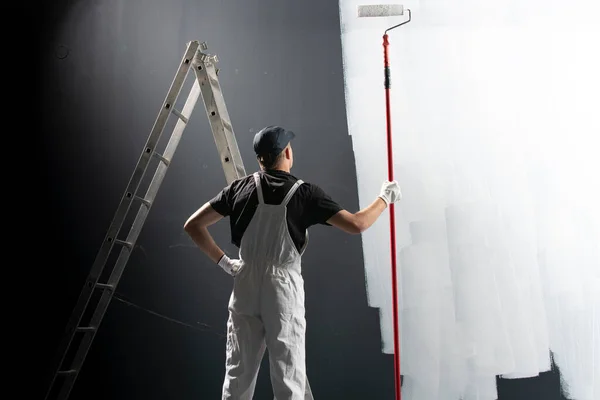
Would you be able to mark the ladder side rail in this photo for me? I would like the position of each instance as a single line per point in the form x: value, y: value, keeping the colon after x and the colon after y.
x: 218, y: 118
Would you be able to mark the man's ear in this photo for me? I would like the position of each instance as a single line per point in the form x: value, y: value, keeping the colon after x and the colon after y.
x: 287, y: 152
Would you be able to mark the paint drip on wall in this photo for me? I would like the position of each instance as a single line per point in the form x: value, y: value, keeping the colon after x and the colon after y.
x: 496, y: 136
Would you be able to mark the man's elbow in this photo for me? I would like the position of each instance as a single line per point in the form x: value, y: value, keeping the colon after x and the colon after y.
x: 187, y: 226
x: 356, y: 226
x: 348, y: 222
x: 191, y: 226
x: 359, y: 227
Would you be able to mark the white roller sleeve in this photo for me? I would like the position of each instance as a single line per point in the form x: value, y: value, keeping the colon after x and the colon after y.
x: 380, y: 10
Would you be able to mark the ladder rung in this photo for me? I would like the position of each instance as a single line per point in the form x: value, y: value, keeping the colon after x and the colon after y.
x: 145, y: 202
x: 161, y: 158
x: 68, y: 372
x: 179, y: 115
x: 104, y: 286
x: 85, y: 329
x: 124, y: 243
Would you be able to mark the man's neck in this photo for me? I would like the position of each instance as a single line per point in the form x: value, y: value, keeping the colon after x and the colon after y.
x: 278, y: 169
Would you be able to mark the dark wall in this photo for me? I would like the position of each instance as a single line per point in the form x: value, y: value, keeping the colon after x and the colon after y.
x: 107, y: 66
x: 103, y: 69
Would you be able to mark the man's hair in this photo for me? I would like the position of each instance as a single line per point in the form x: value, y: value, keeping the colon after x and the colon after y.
x: 270, y: 161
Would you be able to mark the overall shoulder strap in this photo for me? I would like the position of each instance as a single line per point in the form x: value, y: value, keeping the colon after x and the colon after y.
x: 258, y: 188
x: 291, y: 192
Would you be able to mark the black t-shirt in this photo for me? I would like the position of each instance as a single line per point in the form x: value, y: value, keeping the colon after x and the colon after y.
x: 310, y: 205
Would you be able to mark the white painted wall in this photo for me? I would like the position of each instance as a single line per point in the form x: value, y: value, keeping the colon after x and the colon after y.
x: 496, y: 117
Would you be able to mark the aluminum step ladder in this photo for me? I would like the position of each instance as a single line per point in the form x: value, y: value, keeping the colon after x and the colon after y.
x: 80, y: 332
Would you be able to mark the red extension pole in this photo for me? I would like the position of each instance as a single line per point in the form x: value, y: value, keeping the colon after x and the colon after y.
x: 388, y: 120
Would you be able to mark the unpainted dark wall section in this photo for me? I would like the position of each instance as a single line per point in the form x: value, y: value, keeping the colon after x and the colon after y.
x: 107, y: 67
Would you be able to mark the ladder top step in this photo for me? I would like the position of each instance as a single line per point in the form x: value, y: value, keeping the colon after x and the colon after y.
x: 67, y: 372
x: 104, y: 286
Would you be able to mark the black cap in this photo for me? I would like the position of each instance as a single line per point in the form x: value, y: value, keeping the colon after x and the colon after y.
x: 271, y: 140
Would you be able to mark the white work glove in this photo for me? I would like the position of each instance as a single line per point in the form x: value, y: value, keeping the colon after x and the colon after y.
x: 230, y: 266
x: 390, y: 192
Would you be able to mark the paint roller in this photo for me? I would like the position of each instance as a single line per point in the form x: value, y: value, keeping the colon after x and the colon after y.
x: 390, y: 10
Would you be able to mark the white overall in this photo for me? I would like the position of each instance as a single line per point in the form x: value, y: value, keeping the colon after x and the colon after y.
x: 266, y: 308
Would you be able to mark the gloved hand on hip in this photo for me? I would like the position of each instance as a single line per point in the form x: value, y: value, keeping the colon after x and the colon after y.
x: 231, y: 266
x: 390, y: 192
